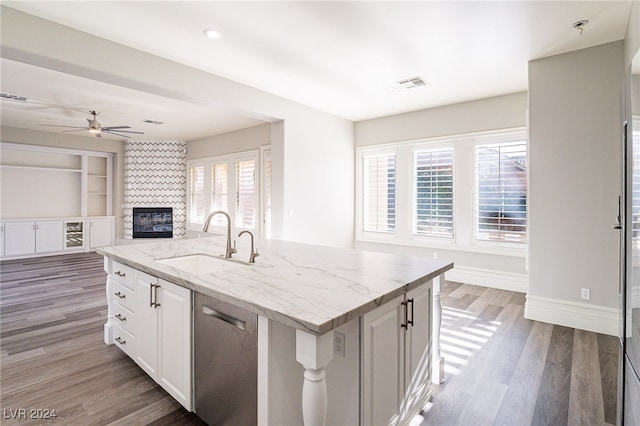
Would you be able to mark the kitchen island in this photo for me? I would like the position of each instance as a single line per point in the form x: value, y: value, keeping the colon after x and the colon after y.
x: 301, y: 295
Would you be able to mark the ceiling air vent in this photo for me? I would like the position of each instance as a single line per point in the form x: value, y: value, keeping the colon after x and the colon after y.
x: 11, y: 97
x: 153, y: 122
x: 413, y: 82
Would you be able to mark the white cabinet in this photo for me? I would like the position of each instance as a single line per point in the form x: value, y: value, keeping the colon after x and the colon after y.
x: 49, y: 236
x: 23, y: 238
x: 396, y: 358
x: 163, y: 334
x: 69, y: 185
x: 20, y: 238
x: 101, y: 232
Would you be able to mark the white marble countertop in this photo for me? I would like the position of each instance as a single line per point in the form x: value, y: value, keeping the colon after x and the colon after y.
x: 312, y: 288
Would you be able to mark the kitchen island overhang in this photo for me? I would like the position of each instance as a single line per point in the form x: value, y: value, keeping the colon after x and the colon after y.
x: 314, y: 289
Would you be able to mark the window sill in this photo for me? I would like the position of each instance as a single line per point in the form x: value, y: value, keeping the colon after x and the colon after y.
x: 453, y: 246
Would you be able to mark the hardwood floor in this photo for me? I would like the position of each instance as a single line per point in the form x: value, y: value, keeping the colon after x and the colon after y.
x: 52, y: 312
x: 501, y: 369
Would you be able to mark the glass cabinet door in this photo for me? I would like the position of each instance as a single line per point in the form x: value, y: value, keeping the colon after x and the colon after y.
x: 74, y: 234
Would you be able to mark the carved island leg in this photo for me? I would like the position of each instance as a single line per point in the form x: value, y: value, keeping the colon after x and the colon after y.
x: 108, y: 335
x: 314, y: 353
x: 437, y: 371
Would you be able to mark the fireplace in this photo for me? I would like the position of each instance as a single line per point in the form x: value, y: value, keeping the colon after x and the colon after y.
x: 152, y: 222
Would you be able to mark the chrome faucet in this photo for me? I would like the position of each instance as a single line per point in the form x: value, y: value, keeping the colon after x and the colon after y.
x: 230, y: 250
x: 254, y: 253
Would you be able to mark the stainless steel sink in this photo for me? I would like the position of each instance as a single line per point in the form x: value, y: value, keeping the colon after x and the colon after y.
x: 198, y: 264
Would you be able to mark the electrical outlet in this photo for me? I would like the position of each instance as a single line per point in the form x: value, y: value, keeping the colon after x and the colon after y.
x: 339, y: 343
x: 585, y: 293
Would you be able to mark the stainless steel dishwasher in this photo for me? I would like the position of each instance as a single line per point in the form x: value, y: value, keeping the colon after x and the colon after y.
x: 226, y: 363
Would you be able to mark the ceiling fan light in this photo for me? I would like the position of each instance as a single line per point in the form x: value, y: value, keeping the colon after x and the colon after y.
x: 94, y: 130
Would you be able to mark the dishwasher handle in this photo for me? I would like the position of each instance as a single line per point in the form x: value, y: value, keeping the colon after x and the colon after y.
x: 224, y: 317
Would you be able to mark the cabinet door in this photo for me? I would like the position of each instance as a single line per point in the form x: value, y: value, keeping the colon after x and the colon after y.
x: 383, y: 362
x: 417, y: 348
x: 174, y: 341
x: 146, y: 323
x: 100, y: 232
x: 49, y: 236
x: 20, y: 238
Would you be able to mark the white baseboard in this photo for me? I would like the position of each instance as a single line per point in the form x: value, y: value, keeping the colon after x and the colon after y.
x: 598, y: 319
x: 489, y: 278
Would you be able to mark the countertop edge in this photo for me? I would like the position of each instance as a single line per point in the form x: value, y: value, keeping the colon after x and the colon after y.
x: 317, y: 329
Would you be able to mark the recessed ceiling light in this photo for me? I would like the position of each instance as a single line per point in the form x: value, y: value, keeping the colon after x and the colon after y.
x: 212, y: 34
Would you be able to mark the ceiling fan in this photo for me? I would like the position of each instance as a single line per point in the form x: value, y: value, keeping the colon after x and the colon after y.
x: 97, y: 129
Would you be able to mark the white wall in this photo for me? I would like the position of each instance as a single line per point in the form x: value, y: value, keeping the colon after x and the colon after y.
x: 322, y: 211
x: 502, y: 112
x: 575, y: 122
x: 229, y: 143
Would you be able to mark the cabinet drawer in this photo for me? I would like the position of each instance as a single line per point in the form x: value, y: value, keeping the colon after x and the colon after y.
x: 122, y: 295
x: 124, y: 318
x: 123, y: 274
x: 124, y: 340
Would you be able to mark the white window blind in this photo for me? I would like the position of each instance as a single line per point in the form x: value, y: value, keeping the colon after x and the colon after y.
x: 246, y: 194
x: 501, y: 192
x: 433, y: 174
x: 196, y: 194
x: 230, y: 183
x: 379, y: 193
x: 635, y: 185
x: 267, y: 193
x: 219, y: 191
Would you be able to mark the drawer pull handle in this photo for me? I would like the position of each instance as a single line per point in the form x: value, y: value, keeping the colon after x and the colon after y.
x: 121, y: 340
x: 120, y: 295
x: 120, y: 317
x: 224, y: 317
x: 120, y: 274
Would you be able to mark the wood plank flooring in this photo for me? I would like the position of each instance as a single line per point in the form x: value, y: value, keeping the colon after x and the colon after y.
x: 53, y: 357
x: 500, y: 368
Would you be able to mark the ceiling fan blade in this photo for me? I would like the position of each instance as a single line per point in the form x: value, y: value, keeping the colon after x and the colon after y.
x: 116, y: 127
x: 75, y: 130
x: 113, y: 133
x: 98, y: 135
x: 55, y: 125
x: 126, y: 131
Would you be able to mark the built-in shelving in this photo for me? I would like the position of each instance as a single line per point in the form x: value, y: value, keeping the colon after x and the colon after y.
x: 40, y: 181
x: 48, y: 169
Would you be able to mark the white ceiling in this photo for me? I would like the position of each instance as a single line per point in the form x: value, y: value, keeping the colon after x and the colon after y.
x: 342, y: 57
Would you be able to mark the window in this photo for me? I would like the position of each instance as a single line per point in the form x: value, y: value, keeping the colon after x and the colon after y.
x: 196, y: 194
x: 225, y: 183
x: 466, y: 192
x: 635, y: 182
x: 433, y: 171
x: 379, y: 193
x: 501, y: 192
x: 246, y: 194
x: 266, y: 203
x: 219, y: 191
